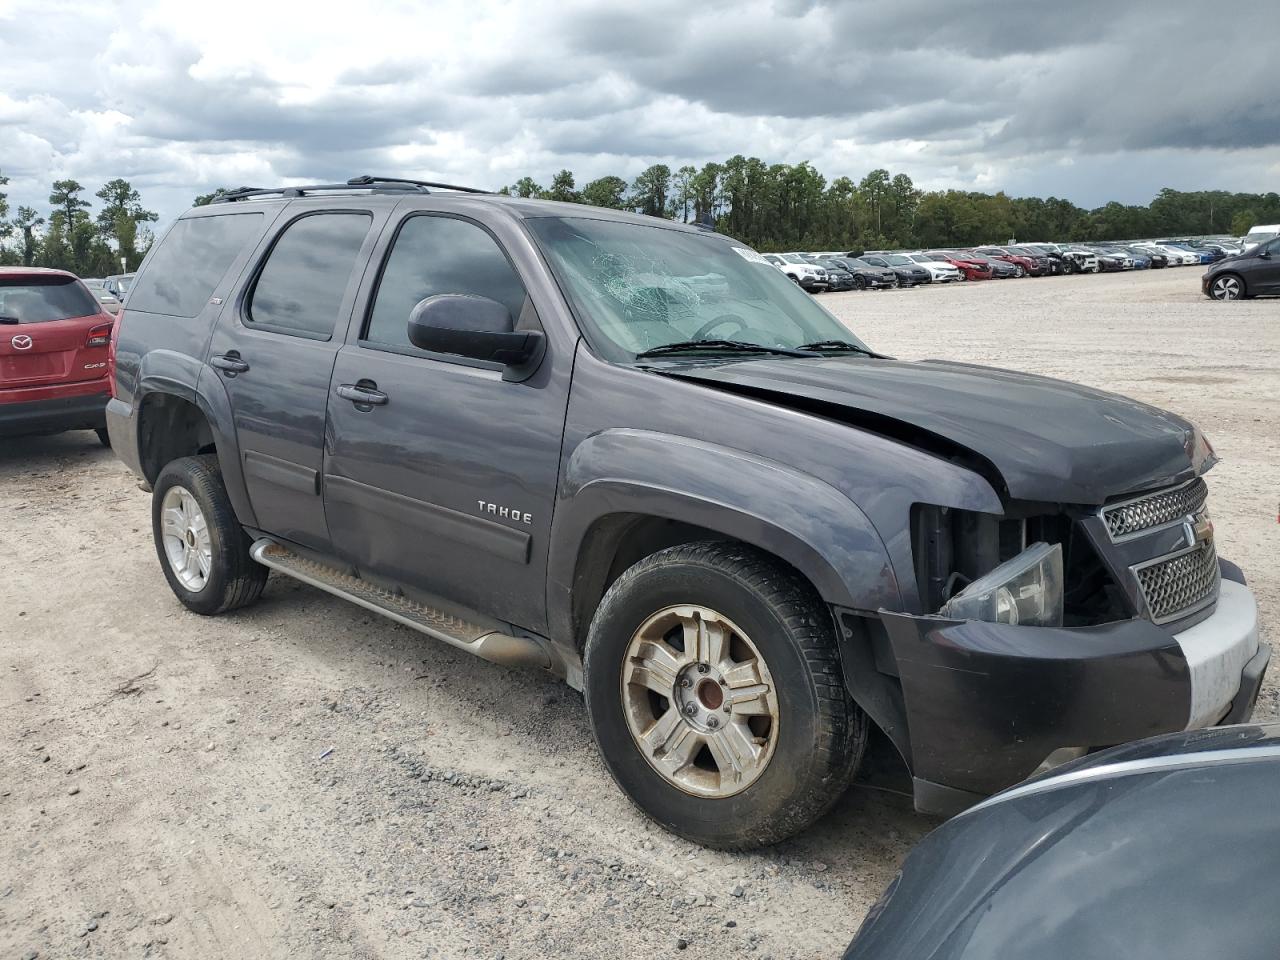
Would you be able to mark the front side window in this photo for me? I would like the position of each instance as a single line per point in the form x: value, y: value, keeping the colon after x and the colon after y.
x: 439, y: 255
x: 637, y: 287
x: 304, y: 281
x: 190, y: 262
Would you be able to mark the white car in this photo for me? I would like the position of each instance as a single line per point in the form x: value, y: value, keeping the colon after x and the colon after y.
x: 808, y: 276
x: 1177, y: 257
x: 941, y: 272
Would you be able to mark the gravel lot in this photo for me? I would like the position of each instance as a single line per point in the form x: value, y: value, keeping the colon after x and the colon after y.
x: 304, y: 780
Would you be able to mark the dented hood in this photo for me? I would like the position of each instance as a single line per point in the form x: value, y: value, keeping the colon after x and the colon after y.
x: 1045, y: 439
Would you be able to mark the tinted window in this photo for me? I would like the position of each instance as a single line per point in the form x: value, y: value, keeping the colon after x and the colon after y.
x: 191, y: 261
x: 304, y: 281
x: 435, y: 255
x: 38, y: 300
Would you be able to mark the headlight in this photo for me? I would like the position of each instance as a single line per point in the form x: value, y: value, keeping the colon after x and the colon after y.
x: 1026, y: 590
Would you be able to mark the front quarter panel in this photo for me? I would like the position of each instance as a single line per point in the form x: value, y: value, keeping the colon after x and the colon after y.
x: 800, y: 519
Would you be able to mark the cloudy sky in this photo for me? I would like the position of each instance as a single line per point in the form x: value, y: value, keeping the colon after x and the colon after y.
x: 1088, y: 100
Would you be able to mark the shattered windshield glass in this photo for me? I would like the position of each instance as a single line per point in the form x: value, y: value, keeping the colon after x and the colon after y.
x: 636, y: 287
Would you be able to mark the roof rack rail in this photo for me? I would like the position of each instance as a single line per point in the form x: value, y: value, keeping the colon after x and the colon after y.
x: 365, y: 182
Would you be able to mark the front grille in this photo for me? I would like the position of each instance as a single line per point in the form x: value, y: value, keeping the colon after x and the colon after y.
x: 1155, y: 510
x: 1181, y: 584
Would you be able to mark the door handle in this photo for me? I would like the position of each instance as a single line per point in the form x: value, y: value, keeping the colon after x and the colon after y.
x: 229, y: 362
x: 363, y: 393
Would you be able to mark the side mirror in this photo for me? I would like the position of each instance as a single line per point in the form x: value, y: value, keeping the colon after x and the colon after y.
x: 471, y: 326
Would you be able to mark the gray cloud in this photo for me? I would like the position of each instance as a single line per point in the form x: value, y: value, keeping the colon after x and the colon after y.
x: 1091, y: 99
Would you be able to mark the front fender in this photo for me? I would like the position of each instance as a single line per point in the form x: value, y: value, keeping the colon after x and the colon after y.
x: 796, y: 517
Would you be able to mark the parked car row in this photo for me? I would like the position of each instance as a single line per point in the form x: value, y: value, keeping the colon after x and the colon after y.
x: 835, y: 271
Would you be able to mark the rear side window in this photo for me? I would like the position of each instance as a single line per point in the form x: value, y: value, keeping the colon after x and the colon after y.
x: 304, y: 282
x: 190, y: 262
x: 435, y: 255
x: 41, y: 299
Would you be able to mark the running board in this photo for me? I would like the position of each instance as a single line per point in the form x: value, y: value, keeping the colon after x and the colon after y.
x: 488, y: 644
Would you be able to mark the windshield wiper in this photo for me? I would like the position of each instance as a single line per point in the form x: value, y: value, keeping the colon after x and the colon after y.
x: 716, y: 346
x: 821, y: 346
x: 9, y: 320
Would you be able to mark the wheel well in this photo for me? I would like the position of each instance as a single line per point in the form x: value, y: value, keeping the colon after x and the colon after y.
x: 170, y: 427
x: 617, y: 542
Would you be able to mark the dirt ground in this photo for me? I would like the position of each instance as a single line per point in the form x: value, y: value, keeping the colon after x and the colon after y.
x: 303, y: 779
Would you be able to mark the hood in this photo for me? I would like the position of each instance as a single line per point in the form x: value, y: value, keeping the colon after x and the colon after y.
x: 1139, y: 860
x: 1041, y: 439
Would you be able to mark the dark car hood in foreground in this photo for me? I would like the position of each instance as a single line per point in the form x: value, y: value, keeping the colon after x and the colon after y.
x: 1047, y: 440
x: 1167, y: 848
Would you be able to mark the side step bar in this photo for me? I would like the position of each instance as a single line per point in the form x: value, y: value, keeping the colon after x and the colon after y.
x: 486, y: 643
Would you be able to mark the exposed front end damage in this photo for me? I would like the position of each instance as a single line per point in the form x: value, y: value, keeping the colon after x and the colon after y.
x: 1148, y: 633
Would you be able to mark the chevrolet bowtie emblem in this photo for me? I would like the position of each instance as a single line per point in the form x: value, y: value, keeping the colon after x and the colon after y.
x: 1199, y: 530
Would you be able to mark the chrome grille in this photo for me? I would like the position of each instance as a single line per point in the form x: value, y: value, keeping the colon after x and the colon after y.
x: 1155, y: 510
x: 1180, y: 584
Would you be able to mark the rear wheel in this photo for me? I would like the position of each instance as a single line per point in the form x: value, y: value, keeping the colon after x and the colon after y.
x: 859, y: 282
x: 203, y: 550
x: 1228, y: 286
x: 1020, y: 272
x: 716, y: 697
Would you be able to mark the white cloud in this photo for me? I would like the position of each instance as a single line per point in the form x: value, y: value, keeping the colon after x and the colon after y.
x: 1091, y: 101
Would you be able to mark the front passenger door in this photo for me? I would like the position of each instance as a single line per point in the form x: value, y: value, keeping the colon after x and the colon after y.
x: 440, y: 474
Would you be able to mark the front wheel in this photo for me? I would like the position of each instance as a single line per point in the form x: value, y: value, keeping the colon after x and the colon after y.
x: 1020, y: 272
x: 203, y: 550
x: 1227, y: 287
x: 715, y: 694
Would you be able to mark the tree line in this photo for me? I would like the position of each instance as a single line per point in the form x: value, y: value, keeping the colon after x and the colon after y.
x: 70, y: 236
x: 783, y: 206
x: 775, y: 206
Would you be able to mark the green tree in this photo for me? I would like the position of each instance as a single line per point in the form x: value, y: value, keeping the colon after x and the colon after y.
x: 204, y: 199
x: 27, y: 222
x: 649, y: 190
x: 1243, y: 221
x: 119, y: 217
x: 66, y: 199
x: 562, y: 188
x: 5, y: 226
x: 684, y: 190
x: 526, y: 187
x: 605, y: 192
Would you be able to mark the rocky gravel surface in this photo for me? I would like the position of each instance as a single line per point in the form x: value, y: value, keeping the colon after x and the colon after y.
x: 303, y: 779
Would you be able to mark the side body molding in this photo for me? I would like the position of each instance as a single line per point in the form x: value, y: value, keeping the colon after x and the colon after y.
x: 801, y: 519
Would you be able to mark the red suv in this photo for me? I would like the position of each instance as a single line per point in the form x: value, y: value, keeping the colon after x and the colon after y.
x: 54, y: 339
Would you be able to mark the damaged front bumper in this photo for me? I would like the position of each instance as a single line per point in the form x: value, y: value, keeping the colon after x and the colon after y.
x: 986, y: 704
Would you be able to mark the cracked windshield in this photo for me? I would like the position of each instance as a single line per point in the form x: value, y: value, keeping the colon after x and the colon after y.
x: 639, y: 289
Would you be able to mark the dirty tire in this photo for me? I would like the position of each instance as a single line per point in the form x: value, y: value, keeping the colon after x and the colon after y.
x: 821, y: 733
x: 235, y: 579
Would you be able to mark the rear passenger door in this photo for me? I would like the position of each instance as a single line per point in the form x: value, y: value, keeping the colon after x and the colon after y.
x: 274, y: 349
x: 446, y: 480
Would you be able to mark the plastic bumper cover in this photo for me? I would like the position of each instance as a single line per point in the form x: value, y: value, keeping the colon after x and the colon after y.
x: 986, y: 703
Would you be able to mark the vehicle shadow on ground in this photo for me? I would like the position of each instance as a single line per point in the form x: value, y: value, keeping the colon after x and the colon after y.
x: 52, y: 452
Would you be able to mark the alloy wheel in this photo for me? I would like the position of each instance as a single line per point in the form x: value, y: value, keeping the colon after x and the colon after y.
x: 699, y: 701
x: 1226, y: 288
x: 185, y: 535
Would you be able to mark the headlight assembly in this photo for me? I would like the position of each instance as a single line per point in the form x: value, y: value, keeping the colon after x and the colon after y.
x: 1026, y: 590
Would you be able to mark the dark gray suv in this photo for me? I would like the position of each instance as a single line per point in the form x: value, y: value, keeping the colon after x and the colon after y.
x: 635, y: 454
